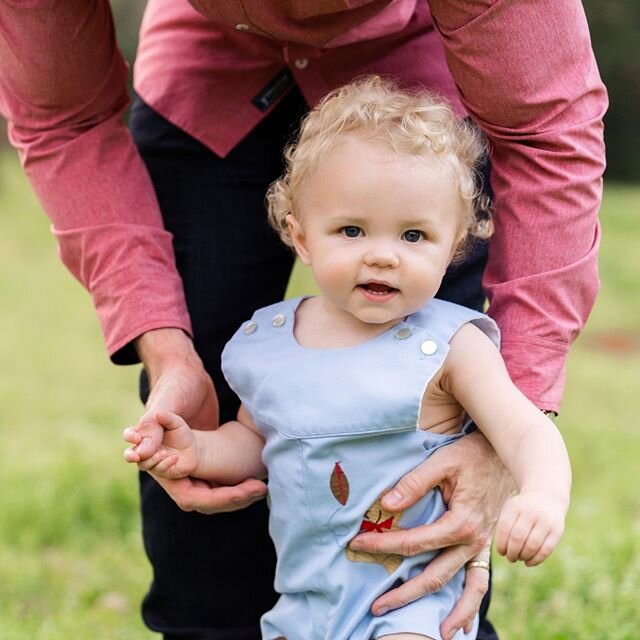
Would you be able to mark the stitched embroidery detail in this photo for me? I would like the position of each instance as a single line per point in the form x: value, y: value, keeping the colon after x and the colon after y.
x: 377, y: 520
x: 339, y: 484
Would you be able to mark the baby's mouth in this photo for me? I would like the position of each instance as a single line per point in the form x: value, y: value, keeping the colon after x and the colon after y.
x: 377, y: 288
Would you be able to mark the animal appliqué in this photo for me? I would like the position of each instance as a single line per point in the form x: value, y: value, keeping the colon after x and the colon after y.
x: 376, y: 520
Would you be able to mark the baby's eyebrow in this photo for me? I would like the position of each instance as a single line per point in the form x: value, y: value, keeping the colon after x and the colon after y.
x: 362, y: 219
x: 350, y: 218
x: 422, y: 222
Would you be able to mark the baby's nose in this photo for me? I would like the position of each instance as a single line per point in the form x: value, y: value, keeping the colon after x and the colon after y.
x: 381, y: 255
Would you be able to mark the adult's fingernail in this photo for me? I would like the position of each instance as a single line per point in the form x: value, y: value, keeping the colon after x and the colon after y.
x: 382, y: 611
x: 354, y: 545
x: 393, y: 498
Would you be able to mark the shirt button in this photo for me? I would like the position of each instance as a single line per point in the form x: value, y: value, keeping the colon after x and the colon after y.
x: 403, y: 334
x: 278, y: 320
x: 428, y: 347
x: 250, y: 327
x: 241, y: 26
x: 301, y: 63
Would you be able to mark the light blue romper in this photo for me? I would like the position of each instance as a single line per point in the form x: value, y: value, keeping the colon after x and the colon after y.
x: 340, y: 430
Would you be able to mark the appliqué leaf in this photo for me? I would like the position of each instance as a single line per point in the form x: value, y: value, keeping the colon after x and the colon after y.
x: 339, y: 484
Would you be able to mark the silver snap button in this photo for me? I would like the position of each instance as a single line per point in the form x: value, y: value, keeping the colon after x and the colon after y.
x: 250, y: 327
x: 428, y: 347
x: 241, y: 26
x: 404, y: 333
x: 278, y: 320
x: 301, y: 63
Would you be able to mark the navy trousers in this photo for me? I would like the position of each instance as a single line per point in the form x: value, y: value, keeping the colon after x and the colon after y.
x: 213, y: 575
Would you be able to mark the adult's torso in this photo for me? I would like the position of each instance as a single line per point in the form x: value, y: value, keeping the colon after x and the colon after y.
x: 216, y: 68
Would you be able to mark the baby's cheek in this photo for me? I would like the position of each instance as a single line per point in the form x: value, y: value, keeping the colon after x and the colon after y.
x: 334, y: 277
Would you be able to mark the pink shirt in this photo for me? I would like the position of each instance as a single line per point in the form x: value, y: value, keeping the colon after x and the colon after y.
x: 525, y: 72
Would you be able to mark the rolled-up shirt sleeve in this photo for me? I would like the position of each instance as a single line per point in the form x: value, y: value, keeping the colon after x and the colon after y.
x: 63, y: 92
x: 526, y: 73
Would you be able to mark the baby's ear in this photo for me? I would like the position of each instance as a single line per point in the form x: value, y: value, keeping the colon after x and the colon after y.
x: 298, y: 238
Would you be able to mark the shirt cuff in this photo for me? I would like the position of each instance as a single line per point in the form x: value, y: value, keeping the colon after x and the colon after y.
x: 130, y: 272
x: 537, y: 367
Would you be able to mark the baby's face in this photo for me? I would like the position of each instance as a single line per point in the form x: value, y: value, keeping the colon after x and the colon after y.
x: 377, y: 228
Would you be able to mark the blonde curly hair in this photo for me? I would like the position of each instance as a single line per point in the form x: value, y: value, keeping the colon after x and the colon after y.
x: 416, y: 124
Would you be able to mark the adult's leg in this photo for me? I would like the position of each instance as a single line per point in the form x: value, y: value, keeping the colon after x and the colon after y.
x: 213, y: 575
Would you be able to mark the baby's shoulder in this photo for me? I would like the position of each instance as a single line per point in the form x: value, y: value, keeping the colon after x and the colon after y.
x: 472, y: 352
x: 446, y: 319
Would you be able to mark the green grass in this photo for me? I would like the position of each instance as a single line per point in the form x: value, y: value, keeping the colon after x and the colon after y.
x: 71, y: 563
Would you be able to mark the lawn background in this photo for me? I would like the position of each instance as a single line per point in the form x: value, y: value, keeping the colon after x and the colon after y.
x: 71, y: 562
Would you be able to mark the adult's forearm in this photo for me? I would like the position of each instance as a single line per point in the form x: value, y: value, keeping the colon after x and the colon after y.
x: 527, y: 75
x: 62, y: 89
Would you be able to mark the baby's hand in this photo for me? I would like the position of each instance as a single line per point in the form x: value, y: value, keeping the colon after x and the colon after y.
x: 175, y: 457
x: 530, y: 526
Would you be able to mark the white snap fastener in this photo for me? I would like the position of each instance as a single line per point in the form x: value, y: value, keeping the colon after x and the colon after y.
x: 250, y: 327
x: 241, y: 26
x: 404, y: 333
x: 341, y: 530
x: 301, y: 63
x: 278, y: 320
x: 428, y: 347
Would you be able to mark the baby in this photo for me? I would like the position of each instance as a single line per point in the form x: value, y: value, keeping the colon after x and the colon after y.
x: 345, y: 392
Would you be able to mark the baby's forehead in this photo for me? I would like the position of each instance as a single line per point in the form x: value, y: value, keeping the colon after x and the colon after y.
x: 367, y: 174
x: 356, y: 151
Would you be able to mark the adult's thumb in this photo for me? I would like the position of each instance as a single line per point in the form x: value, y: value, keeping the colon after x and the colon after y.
x: 412, y: 486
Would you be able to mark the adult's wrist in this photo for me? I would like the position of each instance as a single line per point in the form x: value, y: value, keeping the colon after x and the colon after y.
x: 166, y: 347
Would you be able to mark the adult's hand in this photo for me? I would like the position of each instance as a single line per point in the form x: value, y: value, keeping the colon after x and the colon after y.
x: 474, y: 485
x: 180, y: 384
x: 191, y: 494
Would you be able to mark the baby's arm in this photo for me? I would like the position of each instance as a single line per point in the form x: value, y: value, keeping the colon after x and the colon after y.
x: 228, y: 455
x: 528, y: 443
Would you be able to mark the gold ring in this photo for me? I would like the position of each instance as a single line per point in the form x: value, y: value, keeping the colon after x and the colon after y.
x: 478, y: 564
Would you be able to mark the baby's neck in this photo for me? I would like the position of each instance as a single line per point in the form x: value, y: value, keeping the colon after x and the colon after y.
x: 320, y: 325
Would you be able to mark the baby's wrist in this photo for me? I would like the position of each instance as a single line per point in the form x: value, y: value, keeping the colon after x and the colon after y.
x: 199, y: 448
x: 544, y: 496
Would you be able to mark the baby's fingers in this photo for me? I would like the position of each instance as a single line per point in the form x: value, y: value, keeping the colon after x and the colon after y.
x: 163, y: 467
x: 131, y: 455
x: 143, y: 446
x: 505, y: 524
x: 512, y: 531
x: 153, y: 463
x: 132, y: 435
x: 532, y: 545
x: 544, y: 550
x: 517, y: 539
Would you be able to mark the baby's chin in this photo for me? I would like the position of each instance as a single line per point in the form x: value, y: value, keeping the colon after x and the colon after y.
x: 379, y: 317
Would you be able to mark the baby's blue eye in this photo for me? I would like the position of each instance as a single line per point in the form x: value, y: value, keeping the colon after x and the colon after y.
x: 351, y: 232
x: 413, y: 235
